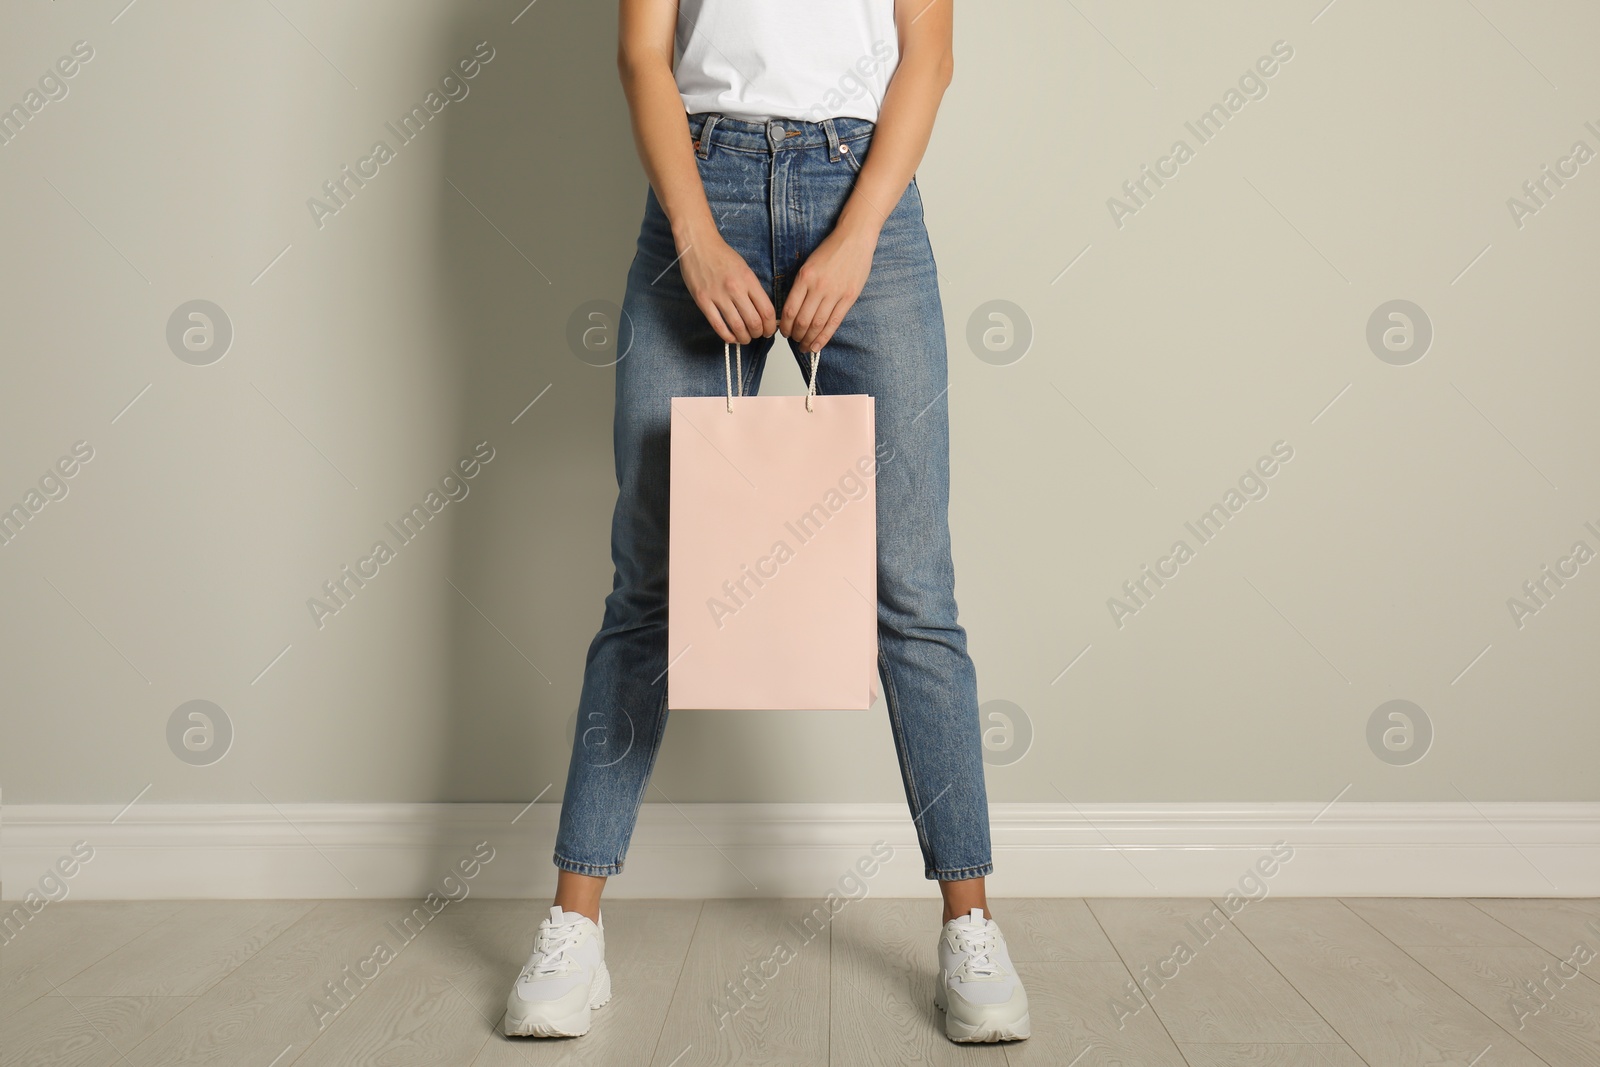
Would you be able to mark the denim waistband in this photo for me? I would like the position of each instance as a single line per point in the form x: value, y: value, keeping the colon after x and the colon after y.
x: 777, y: 134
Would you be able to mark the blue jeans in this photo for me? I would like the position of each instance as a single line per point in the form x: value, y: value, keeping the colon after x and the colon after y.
x: 776, y: 190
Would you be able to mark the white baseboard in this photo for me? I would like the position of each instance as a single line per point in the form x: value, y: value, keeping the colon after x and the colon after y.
x: 307, y: 851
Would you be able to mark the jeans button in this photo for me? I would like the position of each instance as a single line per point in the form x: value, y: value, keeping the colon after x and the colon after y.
x: 776, y: 129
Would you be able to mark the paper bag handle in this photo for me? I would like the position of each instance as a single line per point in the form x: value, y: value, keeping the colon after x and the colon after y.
x: 728, y: 371
x: 730, y: 374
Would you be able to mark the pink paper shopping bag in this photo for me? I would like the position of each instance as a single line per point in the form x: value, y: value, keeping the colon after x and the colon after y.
x: 772, y: 577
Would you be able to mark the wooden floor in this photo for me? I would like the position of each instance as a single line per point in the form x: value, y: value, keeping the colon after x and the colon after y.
x: 1285, y: 983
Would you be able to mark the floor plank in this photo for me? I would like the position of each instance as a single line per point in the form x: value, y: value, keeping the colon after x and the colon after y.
x: 754, y: 987
x: 195, y: 948
x: 885, y: 963
x: 57, y: 1031
x: 418, y: 1010
x: 1270, y: 1055
x: 1073, y: 1008
x: 1433, y: 921
x: 1202, y: 977
x: 1555, y: 925
x: 1051, y: 930
x: 275, y: 1004
x: 1559, y: 1020
x: 63, y: 939
x: 1385, y: 1005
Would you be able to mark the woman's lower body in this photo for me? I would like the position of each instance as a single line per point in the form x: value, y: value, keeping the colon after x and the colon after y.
x: 776, y: 190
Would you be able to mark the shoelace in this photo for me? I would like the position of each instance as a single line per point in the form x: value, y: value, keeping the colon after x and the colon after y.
x: 551, y: 946
x: 977, y: 942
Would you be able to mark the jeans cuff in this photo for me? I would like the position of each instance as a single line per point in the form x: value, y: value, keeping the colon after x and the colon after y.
x: 959, y: 873
x: 604, y: 870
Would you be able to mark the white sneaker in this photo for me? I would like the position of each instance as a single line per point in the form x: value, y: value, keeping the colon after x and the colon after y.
x: 563, y: 979
x: 979, y: 991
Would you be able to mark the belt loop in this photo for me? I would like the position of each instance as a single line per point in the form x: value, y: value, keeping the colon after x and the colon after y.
x: 833, y: 139
x: 703, y: 147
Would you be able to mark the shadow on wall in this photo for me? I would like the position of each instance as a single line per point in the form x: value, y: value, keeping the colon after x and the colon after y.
x: 538, y: 192
x: 538, y: 204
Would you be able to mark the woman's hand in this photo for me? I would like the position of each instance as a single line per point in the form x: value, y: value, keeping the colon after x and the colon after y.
x: 826, y: 286
x: 726, y: 290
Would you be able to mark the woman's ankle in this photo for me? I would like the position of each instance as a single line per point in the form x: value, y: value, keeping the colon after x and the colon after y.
x: 579, y: 893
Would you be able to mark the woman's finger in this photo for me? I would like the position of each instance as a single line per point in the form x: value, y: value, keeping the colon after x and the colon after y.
x: 805, y: 317
x: 763, y: 306
x: 820, y: 328
x: 734, y: 319
x: 835, y: 317
x: 747, y: 310
x: 714, y: 317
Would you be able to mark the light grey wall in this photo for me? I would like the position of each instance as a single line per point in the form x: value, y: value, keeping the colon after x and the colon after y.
x: 1169, y: 352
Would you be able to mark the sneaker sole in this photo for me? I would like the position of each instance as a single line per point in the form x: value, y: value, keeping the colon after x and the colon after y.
x: 957, y: 1030
x: 575, y: 1025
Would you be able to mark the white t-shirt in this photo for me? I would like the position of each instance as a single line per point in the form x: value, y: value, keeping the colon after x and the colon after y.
x: 798, y: 59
